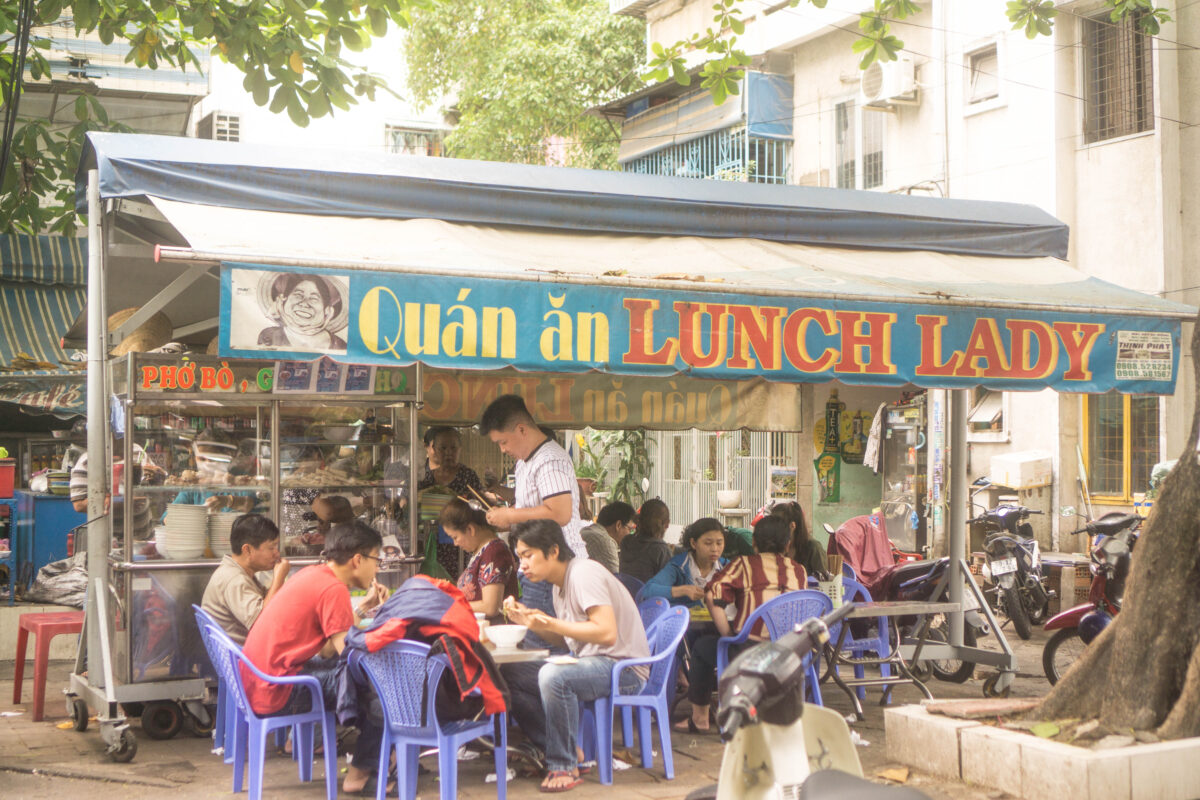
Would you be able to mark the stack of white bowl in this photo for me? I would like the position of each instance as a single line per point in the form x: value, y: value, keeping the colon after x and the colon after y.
x: 184, y: 533
x: 219, y: 526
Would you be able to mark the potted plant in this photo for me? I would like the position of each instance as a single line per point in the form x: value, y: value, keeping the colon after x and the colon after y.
x: 588, y: 470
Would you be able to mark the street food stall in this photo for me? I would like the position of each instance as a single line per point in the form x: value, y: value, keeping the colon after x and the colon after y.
x: 577, y: 276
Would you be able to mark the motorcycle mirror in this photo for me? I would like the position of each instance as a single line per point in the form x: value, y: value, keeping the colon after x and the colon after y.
x: 981, y: 481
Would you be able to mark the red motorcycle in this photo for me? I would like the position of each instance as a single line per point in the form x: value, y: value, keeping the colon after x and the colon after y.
x: 1111, y: 554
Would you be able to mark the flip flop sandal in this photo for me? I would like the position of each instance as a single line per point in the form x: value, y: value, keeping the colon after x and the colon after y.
x: 692, y: 728
x: 555, y: 774
x: 586, y: 766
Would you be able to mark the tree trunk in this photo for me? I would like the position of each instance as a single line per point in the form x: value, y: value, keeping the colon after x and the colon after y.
x: 1143, y: 671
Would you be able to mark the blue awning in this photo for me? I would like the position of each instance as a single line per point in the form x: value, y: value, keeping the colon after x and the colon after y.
x: 333, y: 182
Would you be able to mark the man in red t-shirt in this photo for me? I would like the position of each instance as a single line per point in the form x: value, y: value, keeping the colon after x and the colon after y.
x: 303, y: 630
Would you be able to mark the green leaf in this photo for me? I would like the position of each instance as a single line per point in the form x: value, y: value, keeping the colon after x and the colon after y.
x: 81, y: 108
x: 283, y: 93
x: 260, y: 89
x: 1045, y: 730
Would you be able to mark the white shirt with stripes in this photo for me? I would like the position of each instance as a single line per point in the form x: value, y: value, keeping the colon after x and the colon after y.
x: 548, y: 472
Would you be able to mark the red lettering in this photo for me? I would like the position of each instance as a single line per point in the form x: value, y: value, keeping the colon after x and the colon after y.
x: 931, y: 363
x: 691, y: 333
x: 865, y: 331
x: 983, y: 346
x: 795, y: 331
x: 1078, y: 339
x: 757, y: 328
x: 1023, y: 333
x: 641, y: 335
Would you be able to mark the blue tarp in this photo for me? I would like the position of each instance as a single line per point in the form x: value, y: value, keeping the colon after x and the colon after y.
x: 362, y: 184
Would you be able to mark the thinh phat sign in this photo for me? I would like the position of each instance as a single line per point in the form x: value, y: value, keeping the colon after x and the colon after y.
x: 481, y: 323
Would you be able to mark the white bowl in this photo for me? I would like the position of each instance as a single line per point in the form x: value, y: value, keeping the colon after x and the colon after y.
x: 506, y: 636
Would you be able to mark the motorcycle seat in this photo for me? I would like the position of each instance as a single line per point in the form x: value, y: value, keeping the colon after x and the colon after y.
x: 1111, y: 523
x: 830, y: 783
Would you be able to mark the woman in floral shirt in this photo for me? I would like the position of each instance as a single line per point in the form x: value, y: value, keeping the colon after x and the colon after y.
x: 491, y: 574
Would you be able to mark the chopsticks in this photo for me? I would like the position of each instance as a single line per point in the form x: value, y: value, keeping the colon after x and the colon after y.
x: 486, y: 504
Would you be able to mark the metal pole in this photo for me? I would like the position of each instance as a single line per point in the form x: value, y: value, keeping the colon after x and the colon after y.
x: 956, y: 432
x: 99, y: 535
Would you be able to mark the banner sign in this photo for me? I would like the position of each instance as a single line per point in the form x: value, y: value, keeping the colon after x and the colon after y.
x: 615, y: 401
x: 387, y: 318
x: 58, y: 394
x: 255, y: 379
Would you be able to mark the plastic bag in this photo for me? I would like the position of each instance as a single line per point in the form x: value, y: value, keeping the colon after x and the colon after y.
x: 430, y: 565
x: 61, y: 583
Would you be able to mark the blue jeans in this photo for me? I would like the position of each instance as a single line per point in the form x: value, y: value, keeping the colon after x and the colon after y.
x: 563, y: 687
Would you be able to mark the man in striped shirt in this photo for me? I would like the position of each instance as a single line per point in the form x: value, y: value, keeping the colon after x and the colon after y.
x: 546, y: 487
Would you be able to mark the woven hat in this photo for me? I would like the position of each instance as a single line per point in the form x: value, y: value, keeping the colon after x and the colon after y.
x: 154, y: 332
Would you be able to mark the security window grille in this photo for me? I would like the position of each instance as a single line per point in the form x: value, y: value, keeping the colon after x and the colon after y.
x: 413, y: 141
x: 722, y: 155
x: 1122, y: 443
x: 858, y: 140
x: 1118, y: 79
x: 983, y: 72
x: 220, y: 126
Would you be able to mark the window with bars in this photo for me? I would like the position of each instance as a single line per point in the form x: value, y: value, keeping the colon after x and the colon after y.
x: 412, y: 141
x: 858, y: 146
x: 721, y: 155
x: 1118, y: 79
x: 1122, y: 443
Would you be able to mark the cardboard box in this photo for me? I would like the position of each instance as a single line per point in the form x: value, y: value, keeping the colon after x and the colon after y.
x: 1023, y: 470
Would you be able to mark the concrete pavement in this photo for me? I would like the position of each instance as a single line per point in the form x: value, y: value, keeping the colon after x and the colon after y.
x: 38, y: 759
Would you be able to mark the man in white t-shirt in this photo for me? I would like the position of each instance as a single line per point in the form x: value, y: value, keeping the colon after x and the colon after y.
x: 546, y: 487
x: 596, y: 618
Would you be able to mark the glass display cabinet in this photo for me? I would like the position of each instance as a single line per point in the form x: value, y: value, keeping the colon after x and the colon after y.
x: 208, y: 439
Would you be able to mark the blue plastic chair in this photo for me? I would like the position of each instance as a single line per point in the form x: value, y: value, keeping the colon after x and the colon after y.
x: 651, y: 609
x: 225, y: 714
x: 629, y: 582
x: 405, y: 677
x: 250, y: 731
x: 855, y: 592
x: 780, y: 615
x: 667, y: 633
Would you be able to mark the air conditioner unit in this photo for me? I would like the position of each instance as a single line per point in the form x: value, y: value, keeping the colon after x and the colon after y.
x: 889, y: 83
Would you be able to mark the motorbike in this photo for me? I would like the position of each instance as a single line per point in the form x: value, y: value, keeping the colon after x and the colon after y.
x: 1111, y: 553
x: 1014, y: 565
x: 914, y: 578
x: 926, y: 580
x: 776, y: 745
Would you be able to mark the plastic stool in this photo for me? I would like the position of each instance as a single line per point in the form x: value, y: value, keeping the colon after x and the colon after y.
x: 44, y: 627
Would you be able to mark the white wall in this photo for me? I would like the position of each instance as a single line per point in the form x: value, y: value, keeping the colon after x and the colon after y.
x: 362, y: 127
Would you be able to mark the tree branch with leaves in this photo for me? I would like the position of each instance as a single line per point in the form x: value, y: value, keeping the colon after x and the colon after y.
x: 726, y: 62
x: 296, y: 55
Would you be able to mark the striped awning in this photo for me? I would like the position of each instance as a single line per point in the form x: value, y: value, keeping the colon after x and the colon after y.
x: 42, y: 292
x: 44, y: 259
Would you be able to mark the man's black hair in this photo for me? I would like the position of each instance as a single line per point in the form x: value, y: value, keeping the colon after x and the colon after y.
x: 504, y: 413
x: 542, y: 534
x: 347, y: 539
x: 614, y: 512
x: 252, y: 529
x: 772, y: 535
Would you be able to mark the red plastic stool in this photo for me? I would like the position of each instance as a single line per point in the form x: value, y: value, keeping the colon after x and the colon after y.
x: 44, y: 627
